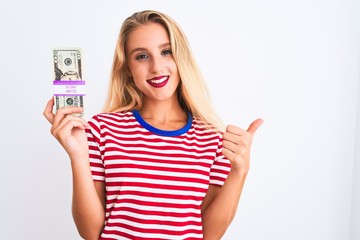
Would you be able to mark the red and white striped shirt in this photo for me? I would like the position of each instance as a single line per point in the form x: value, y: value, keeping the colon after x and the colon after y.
x: 155, y: 180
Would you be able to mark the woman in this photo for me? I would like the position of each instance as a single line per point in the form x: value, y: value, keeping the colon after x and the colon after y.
x: 155, y: 164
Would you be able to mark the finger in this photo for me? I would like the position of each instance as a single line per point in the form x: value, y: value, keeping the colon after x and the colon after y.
x: 63, y: 112
x: 235, y: 130
x: 65, y: 130
x: 49, y: 115
x: 255, y: 125
x: 67, y: 124
x: 72, y: 119
x: 235, y: 138
x: 228, y: 154
x: 231, y: 146
x: 70, y: 124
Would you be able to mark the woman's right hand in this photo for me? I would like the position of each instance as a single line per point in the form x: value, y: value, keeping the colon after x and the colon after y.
x: 69, y: 130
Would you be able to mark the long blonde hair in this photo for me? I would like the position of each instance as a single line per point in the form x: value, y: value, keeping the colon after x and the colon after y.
x: 192, y: 91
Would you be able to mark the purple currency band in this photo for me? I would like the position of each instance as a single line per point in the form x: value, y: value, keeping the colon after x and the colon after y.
x: 64, y: 94
x: 69, y: 88
x: 58, y: 82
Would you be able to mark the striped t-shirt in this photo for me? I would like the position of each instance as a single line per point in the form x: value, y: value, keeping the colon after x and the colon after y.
x: 155, y: 180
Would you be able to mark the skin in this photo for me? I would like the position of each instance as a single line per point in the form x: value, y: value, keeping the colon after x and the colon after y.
x: 149, y: 55
x: 88, y: 203
x: 220, y: 203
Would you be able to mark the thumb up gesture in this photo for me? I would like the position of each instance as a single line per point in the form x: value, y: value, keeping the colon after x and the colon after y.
x: 237, y: 144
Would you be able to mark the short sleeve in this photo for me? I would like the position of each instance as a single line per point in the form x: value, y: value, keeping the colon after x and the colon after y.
x: 95, y: 153
x: 220, y: 168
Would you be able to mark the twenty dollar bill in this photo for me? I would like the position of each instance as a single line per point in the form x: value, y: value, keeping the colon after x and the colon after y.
x: 69, y: 87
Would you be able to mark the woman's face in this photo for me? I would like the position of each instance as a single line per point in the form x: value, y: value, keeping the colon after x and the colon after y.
x: 151, y: 62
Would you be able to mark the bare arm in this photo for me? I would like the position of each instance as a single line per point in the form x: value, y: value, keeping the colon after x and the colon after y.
x: 88, y: 203
x: 220, y: 203
x: 88, y: 196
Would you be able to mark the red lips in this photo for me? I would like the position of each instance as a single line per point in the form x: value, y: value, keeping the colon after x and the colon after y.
x: 158, y: 82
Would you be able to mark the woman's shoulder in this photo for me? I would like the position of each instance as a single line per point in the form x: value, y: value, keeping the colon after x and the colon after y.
x: 203, y: 127
x: 113, y: 116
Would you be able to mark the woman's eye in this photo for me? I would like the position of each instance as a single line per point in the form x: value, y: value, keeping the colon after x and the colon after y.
x: 166, y: 52
x: 141, y: 57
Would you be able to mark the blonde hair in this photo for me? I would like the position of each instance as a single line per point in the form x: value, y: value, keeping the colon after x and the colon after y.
x: 192, y: 91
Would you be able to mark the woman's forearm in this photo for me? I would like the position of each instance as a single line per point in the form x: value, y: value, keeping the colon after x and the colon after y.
x: 87, y: 208
x: 220, y: 213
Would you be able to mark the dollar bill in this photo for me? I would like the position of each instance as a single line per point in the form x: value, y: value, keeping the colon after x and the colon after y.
x: 68, y: 82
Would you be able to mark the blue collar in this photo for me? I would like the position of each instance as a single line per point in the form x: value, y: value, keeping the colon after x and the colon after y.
x: 168, y: 133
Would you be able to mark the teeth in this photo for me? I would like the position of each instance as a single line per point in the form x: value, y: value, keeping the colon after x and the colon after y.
x: 159, y: 80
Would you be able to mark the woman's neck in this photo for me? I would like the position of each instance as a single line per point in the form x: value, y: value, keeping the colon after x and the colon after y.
x: 166, y: 115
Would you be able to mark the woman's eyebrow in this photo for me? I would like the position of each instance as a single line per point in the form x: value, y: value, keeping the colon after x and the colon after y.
x: 164, y: 45
x: 141, y: 49
x: 138, y: 50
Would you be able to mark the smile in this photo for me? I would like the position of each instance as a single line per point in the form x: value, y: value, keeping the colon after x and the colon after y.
x: 158, y: 82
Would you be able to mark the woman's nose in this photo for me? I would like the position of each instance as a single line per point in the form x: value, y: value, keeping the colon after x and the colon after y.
x: 156, y: 65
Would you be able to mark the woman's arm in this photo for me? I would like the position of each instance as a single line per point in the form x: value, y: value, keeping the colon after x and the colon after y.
x: 221, y: 206
x: 88, y: 202
x: 220, y: 203
x: 88, y: 196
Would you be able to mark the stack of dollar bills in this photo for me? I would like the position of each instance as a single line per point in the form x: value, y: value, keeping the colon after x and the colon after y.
x: 69, y: 87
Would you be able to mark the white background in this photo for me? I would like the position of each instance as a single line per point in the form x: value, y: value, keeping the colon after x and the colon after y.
x: 296, y: 64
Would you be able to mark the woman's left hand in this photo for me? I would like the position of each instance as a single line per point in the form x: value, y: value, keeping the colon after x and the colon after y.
x: 237, y: 144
